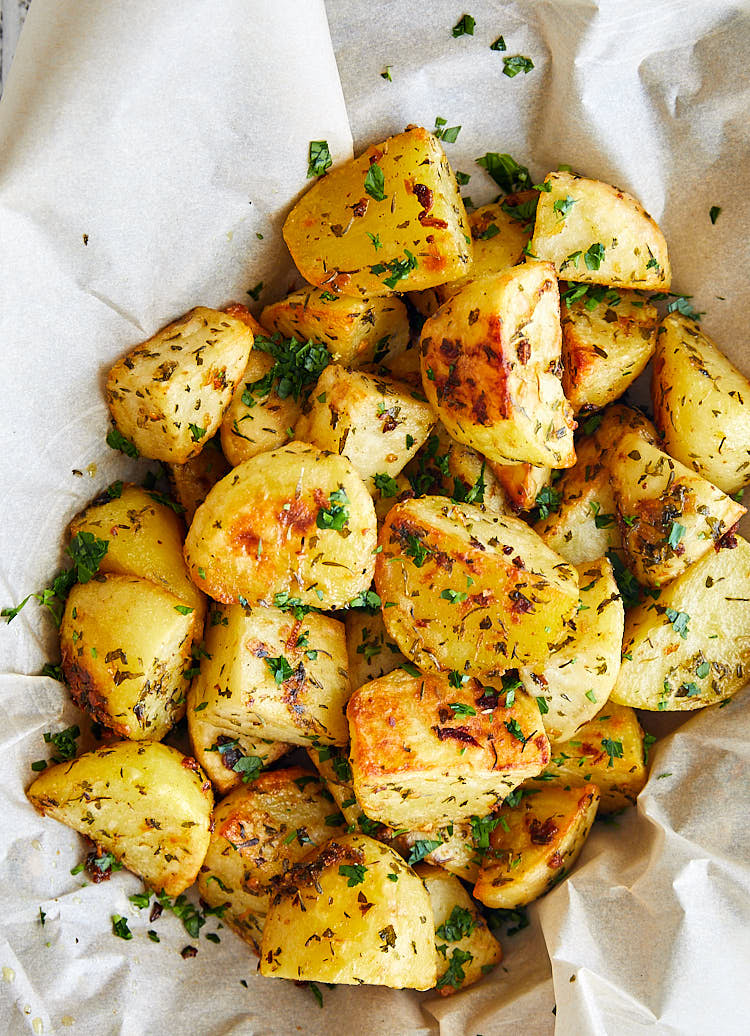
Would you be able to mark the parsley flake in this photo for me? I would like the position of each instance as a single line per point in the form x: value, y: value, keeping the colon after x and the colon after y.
x: 319, y: 158
x: 375, y: 182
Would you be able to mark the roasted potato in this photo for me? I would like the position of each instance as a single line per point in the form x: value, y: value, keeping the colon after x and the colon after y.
x: 258, y: 419
x: 596, y: 233
x: 348, y: 233
x: 425, y: 752
x: 387, y: 491
x: 125, y: 645
x: 490, y: 368
x: 535, y: 844
x: 452, y: 848
x: 192, y: 481
x: 465, y: 590
x: 167, y: 396
x: 701, y: 404
x: 370, y: 650
x: 147, y: 804
x: 446, y: 467
x: 521, y: 483
x: 404, y: 367
x: 332, y: 763
x: 340, y: 917
x: 294, y: 521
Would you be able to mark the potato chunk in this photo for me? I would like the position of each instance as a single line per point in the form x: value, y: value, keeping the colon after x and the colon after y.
x: 261, y: 830
x: 338, y: 917
x: 465, y: 947
x: 147, y: 804
x: 355, y: 330
x: 192, y: 481
x: 490, y: 362
x: 167, y: 395
x: 269, y: 676
x: 257, y: 421
x: 690, y: 648
x: 425, y: 753
x: 669, y: 517
x: 376, y: 423
x: 332, y: 763
x: 537, y: 845
x: 452, y: 848
x: 401, y: 193
x: 295, y: 521
x: 521, y: 483
x: 596, y: 233
x: 470, y: 591
x: 125, y: 645
x: 701, y: 404
x: 446, y: 467
x: 370, y: 650
x: 581, y: 671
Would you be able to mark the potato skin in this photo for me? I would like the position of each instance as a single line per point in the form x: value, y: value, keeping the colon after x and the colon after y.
x: 147, y: 804
x: 470, y: 591
x: 327, y: 230
x: 167, y: 395
x: 256, y: 534
x: 490, y: 368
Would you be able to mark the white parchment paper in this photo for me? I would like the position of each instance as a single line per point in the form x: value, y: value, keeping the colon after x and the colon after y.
x: 172, y: 135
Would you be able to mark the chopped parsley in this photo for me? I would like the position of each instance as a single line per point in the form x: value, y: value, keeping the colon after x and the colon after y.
x: 601, y: 521
x: 482, y: 828
x: 376, y: 244
x: 505, y: 171
x: 675, y: 534
x: 312, y: 986
x: 120, y: 927
x: 422, y: 848
x: 355, y: 872
x: 594, y: 256
x: 648, y: 741
x: 455, y: 974
x: 249, y: 766
x: 714, y: 213
x: 399, y: 269
x: 514, y: 729
x: 375, y: 182
x: 563, y: 206
x: 197, y: 432
x: 117, y: 441
x: 515, y: 64
x: 444, y: 132
x: 386, y: 73
x: 336, y: 515
x: 64, y: 743
x: 367, y: 599
x: 464, y: 26
x: 416, y: 550
x: 681, y: 304
x: 319, y: 158
x: 285, y: 603
x: 613, y: 749
x: 679, y: 621
x: 548, y: 500
x: 499, y: 44
x: 280, y: 668
x: 462, y: 178
x: 454, y: 596
x: 460, y: 708
x: 297, y: 366
x: 459, y: 925
x: 386, y: 484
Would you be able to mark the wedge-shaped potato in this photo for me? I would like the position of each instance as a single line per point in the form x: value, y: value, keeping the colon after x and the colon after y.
x: 452, y: 848
x: 144, y: 538
x: 387, y: 491
x: 446, y: 467
x: 167, y: 396
x: 596, y: 233
x: 125, y: 645
x: 581, y: 671
x: 466, y: 949
x: 535, y: 844
x: 521, y: 483
x: 607, y: 751
x: 147, y: 804
x: 404, y: 367
x: 370, y: 650
x: 332, y: 763
x: 490, y: 368
x: 192, y: 481
x: 669, y: 516
x: 402, y: 194
x: 296, y: 521
x: 426, y: 753
x: 701, y: 404
x: 466, y: 590
x: 270, y: 676
x: 690, y: 648
x: 260, y: 831
x: 257, y: 419
x: 608, y: 337
x: 338, y: 917
x: 376, y: 423
x: 355, y: 330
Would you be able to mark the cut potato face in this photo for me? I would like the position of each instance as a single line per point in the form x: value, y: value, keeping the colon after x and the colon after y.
x: 192, y: 481
x: 535, y: 844
x: 701, y: 404
x: 490, y: 368
x: 576, y: 681
x: 261, y: 830
x: 521, y: 483
x: 125, y: 645
x: 294, y: 521
x: 598, y: 234
x: 397, y: 191
x: 452, y: 848
x: 371, y: 652
x: 256, y: 421
x: 669, y: 516
x: 425, y: 752
x: 338, y: 917
x: 446, y: 467
x: 167, y: 396
x: 690, y: 647
x: 147, y: 804
x: 333, y: 765
x: 466, y: 949
x: 355, y: 330
x: 468, y: 591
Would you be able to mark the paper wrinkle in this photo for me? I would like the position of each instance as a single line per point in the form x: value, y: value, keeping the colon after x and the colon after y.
x: 152, y: 128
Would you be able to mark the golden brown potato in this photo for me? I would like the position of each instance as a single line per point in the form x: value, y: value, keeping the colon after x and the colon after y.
x: 376, y: 423
x: 701, y: 404
x: 596, y: 233
x: 608, y: 337
x: 391, y: 219
x: 425, y: 752
x: 260, y: 831
x: 192, y: 481
x: 167, y: 396
x: 465, y: 590
x: 466, y: 949
x: 669, y: 517
x: 332, y: 763
x: 259, y: 420
x: 404, y: 367
x: 689, y: 648
x: 521, y: 483
x: 147, y: 804
x: 535, y: 844
x: 452, y: 848
x: 608, y: 751
x: 125, y: 645
x: 370, y: 650
x: 387, y: 491
x: 296, y: 521
x: 490, y: 368
x: 446, y: 467
x: 339, y: 917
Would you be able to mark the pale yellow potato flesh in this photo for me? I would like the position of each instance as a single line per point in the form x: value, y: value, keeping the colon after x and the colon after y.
x: 192, y: 481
